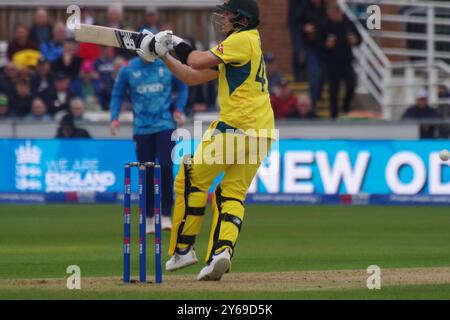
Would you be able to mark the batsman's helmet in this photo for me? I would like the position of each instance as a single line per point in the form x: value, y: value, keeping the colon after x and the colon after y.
x: 242, y: 8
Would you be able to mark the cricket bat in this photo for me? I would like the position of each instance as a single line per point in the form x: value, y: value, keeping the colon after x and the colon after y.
x: 108, y: 36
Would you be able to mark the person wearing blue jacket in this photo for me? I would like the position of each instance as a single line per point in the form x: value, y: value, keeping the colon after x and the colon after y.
x: 158, y: 101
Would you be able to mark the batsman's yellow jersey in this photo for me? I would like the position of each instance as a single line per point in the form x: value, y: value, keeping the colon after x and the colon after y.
x: 243, y: 87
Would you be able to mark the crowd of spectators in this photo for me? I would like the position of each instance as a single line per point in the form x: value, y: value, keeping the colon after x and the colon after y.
x: 48, y: 74
x: 285, y: 103
x: 323, y: 39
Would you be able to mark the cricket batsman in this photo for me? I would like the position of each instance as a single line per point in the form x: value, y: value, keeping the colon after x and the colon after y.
x: 245, y: 113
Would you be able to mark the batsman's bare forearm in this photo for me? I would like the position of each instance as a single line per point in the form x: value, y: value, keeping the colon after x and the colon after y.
x: 187, y: 74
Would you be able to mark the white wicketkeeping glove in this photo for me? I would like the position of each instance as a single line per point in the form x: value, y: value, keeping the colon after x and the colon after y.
x: 144, y: 49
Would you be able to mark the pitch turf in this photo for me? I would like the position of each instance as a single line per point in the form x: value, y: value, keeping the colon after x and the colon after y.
x: 39, y: 242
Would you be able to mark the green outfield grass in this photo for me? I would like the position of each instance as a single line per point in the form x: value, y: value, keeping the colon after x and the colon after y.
x: 41, y: 241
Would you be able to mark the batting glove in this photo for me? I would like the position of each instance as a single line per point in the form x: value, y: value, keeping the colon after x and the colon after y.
x: 164, y: 42
x: 144, y: 50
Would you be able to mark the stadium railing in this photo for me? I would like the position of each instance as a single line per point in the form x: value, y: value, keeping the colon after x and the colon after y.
x: 391, y: 82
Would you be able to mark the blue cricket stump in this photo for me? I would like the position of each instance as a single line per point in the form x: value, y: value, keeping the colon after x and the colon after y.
x: 126, y: 224
x: 142, y: 219
x: 143, y: 185
x: 157, y: 216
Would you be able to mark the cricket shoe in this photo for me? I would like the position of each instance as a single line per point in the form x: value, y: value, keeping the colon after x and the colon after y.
x: 150, y: 225
x: 178, y: 261
x: 166, y: 223
x: 216, y: 268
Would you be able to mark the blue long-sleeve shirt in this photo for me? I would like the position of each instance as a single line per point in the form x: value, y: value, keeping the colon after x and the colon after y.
x: 151, y: 87
x: 51, y: 50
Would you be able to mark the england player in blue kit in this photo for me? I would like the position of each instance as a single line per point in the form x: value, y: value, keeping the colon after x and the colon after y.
x: 158, y: 101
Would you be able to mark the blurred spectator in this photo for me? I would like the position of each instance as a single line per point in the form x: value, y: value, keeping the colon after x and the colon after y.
x: 86, y: 18
x: 41, y: 31
x: 26, y: 72
x: 20, y: 41
x: 274, y: 75
x: 444, y: 111
x: 68, y: 63
x: 77, y: 109
x: 339, y: 37
x: 202, y: 98
x: 88, y: 51
x: 104, y: 66
x: 21, y: 50
x: 87, y: 86
x: 119, y: 62
x: 298, y: 56
x: 21, y: 101
x: 67, y: 129
x: 53, y: 49
x: 114, y: 15
x: 151, y: 20
x: 311, y: 24
x: 58, y: 99
x: 42, y: 81
x: 444, y: 93
x: 4, y: 108
x: 302, y: 109
x: 283, y: 100
x: 420, y: 111
x: 8, y: 78
x: 38, y: 111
